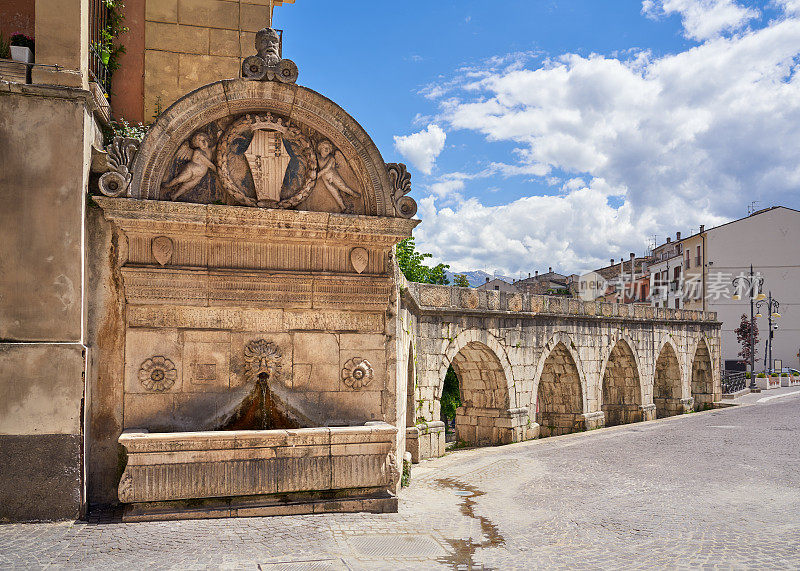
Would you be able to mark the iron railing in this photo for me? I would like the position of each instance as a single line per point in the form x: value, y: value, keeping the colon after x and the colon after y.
x: 99, y: 47
x: 733, y: 381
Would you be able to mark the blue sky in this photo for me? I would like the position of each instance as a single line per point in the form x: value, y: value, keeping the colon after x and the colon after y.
x: 564, y: 133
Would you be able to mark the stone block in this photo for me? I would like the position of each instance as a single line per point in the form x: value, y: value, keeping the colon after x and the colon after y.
x: 197, y: 71
x: 151, y: 411
x: 41, y: 477
x: 253, y: 17
x: 175, y: 38
x: 161, y: 11
x: 141, y: 346
x: 211, y: 14
x: 41, y: 387
x: 322, y: 377
x: 160, y: 81
x: 206, y: 361
x: 316, y: 348
x: 225, y: 43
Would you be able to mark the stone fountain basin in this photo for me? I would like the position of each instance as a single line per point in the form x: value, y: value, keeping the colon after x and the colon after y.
x: 260, y: 470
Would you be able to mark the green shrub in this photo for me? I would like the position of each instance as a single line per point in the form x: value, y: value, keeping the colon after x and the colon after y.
x: 784, y: 374
x: 761, y: 375
x: 747, y: 375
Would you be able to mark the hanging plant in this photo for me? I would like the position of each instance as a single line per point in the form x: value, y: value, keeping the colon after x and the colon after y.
x: 108, y: 49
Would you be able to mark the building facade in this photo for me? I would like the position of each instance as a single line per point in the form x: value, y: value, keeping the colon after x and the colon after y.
x: 768, y: 240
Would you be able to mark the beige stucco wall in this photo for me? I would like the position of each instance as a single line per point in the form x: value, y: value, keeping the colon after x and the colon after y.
x: 46, y: 134
x: 770, y: 242
x: 189, y: 43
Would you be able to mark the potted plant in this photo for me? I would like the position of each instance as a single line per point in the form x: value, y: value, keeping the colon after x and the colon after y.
x: 22, y: 48
x: 795, y: 379
x: 11, y: 70
x: 786, y: 380
x: 762, y: 382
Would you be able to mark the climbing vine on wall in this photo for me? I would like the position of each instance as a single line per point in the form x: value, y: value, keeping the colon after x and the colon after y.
x: 107, y: 46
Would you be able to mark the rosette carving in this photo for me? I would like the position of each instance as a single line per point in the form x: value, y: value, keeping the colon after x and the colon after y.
x: 158, y: 374
x: 357, y: 373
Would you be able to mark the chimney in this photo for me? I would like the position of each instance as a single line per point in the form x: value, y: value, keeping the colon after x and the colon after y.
x: 537, y: 273
x: 669, y: 240
x: 487, y: 279
x: 677, y: 235
x: 550, y: 270
x: 612, y: 261
x: 529, y: 275
x: 702, y: 228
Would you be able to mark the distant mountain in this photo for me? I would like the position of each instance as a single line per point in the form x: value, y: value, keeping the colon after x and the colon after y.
x: 477, y: 277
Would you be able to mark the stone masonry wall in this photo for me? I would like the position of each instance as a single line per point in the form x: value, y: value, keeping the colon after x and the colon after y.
x: 190, y: 43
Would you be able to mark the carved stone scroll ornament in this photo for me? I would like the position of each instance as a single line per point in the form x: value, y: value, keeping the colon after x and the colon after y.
x: 158, y: 374
x: 268, y: 64
x: 357, y: 373
x: 116, y: 180
x: 401, y: 185
x: 262, y: 360
x: 268, y: 162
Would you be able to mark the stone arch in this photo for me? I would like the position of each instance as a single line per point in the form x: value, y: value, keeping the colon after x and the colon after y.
x: 668, y: 381
x: 493, y: 344
x: 621, y: 387
x: 560, y: 401
x: 485, y: 386
x: 230, y: 98
x: 702, y: 379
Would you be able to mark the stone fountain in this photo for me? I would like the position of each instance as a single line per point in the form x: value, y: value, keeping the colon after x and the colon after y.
x: 246, y: 330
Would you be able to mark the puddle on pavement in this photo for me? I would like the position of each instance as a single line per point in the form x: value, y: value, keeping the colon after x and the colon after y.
x: 464, y: 549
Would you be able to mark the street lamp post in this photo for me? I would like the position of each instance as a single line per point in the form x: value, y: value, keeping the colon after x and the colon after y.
x: 752, y: 282
x: 772, y: 311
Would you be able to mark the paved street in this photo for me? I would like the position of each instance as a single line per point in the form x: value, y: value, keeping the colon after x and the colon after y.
x: 716, y: 489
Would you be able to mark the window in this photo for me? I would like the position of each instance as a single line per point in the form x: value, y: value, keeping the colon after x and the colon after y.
x: 698, y: 260
x: 688, y: 257
x: 497, y: 287
x: 677, y: 304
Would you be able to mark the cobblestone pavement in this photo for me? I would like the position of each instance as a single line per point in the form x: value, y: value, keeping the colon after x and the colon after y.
x: 714, y: 489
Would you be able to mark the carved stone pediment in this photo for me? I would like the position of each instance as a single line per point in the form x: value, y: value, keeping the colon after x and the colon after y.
x: 261, y: 141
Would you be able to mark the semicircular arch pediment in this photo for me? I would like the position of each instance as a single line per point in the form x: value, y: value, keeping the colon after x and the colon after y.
x: 265, y: 144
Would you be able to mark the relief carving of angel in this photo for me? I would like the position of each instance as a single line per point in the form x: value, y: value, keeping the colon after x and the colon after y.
x: 329, y: 161
x: 198, y: 151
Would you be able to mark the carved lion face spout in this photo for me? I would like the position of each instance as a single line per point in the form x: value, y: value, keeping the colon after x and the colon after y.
x: 262, y: 360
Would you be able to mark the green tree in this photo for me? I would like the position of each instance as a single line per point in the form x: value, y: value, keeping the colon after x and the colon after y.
x: 451, y: 395
x: 411, y: 264
x: 460, y: 280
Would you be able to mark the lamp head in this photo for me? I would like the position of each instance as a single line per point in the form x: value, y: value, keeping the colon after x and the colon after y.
x: 776, y: 315
x: 760, y: 297
x: 758, y: 314
x: 736, y: 297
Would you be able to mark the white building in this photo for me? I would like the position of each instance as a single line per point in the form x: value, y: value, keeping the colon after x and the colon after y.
x: 769, y: 240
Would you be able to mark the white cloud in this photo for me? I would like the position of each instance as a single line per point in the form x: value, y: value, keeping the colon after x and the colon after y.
x: 667, y: 144
x: 422, y: 148
x: 703, y: 19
